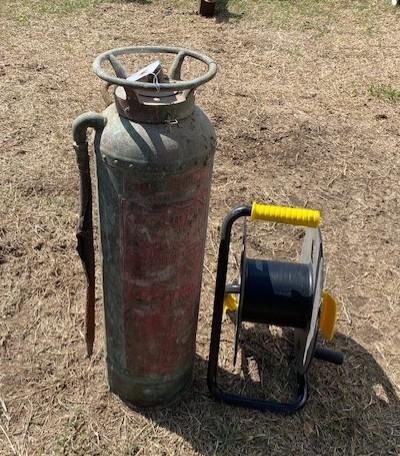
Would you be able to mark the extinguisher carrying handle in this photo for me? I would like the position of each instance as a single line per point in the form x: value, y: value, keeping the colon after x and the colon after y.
x: 84, y: 230
x: 175, y: 71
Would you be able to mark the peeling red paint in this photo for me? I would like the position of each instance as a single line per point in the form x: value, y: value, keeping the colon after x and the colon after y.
x: 162, y: 264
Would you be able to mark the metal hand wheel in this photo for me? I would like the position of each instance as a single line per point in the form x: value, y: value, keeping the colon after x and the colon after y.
x: 174, y: 73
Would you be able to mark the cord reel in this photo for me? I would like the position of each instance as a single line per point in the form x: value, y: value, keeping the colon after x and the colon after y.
x: 280, y: 293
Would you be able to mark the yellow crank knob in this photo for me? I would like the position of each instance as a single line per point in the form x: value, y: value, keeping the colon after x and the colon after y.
x: 328, y: 316
x: 288, y: 215
x: 230, y: 303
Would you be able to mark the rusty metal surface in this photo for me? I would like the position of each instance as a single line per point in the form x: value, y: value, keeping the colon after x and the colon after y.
x: 153, y: 107
x: 162, y: 266
x: 84, y: 230
x: 155, y: 97
x: 181, y: 53
x: 154, y: 182
x: 84, y: 235
x: 155, y: 148
x: 154, y: 159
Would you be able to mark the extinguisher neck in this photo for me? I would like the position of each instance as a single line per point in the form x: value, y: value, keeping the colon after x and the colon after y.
x: 154, y: 107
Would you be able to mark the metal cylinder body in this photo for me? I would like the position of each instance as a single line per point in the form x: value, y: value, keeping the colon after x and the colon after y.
x: 154, y: 183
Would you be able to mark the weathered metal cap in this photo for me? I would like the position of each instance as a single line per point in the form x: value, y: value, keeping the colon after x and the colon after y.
x: 181, y: 53
x: 167, y: 98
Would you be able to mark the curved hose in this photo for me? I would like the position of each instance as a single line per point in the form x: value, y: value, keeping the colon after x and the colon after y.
x: 84, y: 230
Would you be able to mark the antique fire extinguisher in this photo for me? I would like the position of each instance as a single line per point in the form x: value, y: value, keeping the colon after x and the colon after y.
x: 154, y: 151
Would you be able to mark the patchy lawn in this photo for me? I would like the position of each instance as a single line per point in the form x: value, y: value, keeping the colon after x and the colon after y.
x: 306, y: 106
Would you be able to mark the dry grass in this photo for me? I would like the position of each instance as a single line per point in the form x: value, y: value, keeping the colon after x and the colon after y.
x: 297, y: 124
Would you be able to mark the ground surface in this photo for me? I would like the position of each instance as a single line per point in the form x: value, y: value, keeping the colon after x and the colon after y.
x: 306, y: 106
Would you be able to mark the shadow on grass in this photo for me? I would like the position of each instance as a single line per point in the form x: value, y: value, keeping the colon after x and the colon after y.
x: 352, y: 409
x: 223, y: 14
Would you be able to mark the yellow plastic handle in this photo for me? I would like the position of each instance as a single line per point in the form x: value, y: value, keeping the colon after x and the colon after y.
x: 289, y: 215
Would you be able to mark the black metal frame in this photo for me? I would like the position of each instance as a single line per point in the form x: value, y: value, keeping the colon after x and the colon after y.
x: 220, y: 289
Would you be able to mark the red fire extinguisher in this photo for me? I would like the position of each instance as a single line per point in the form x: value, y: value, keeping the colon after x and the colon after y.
x: 154, y: 151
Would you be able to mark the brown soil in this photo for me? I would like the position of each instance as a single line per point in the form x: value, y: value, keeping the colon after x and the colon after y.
x: 300, y: 121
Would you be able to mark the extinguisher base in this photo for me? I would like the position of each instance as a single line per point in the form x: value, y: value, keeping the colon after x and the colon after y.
x: 160, y: 391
